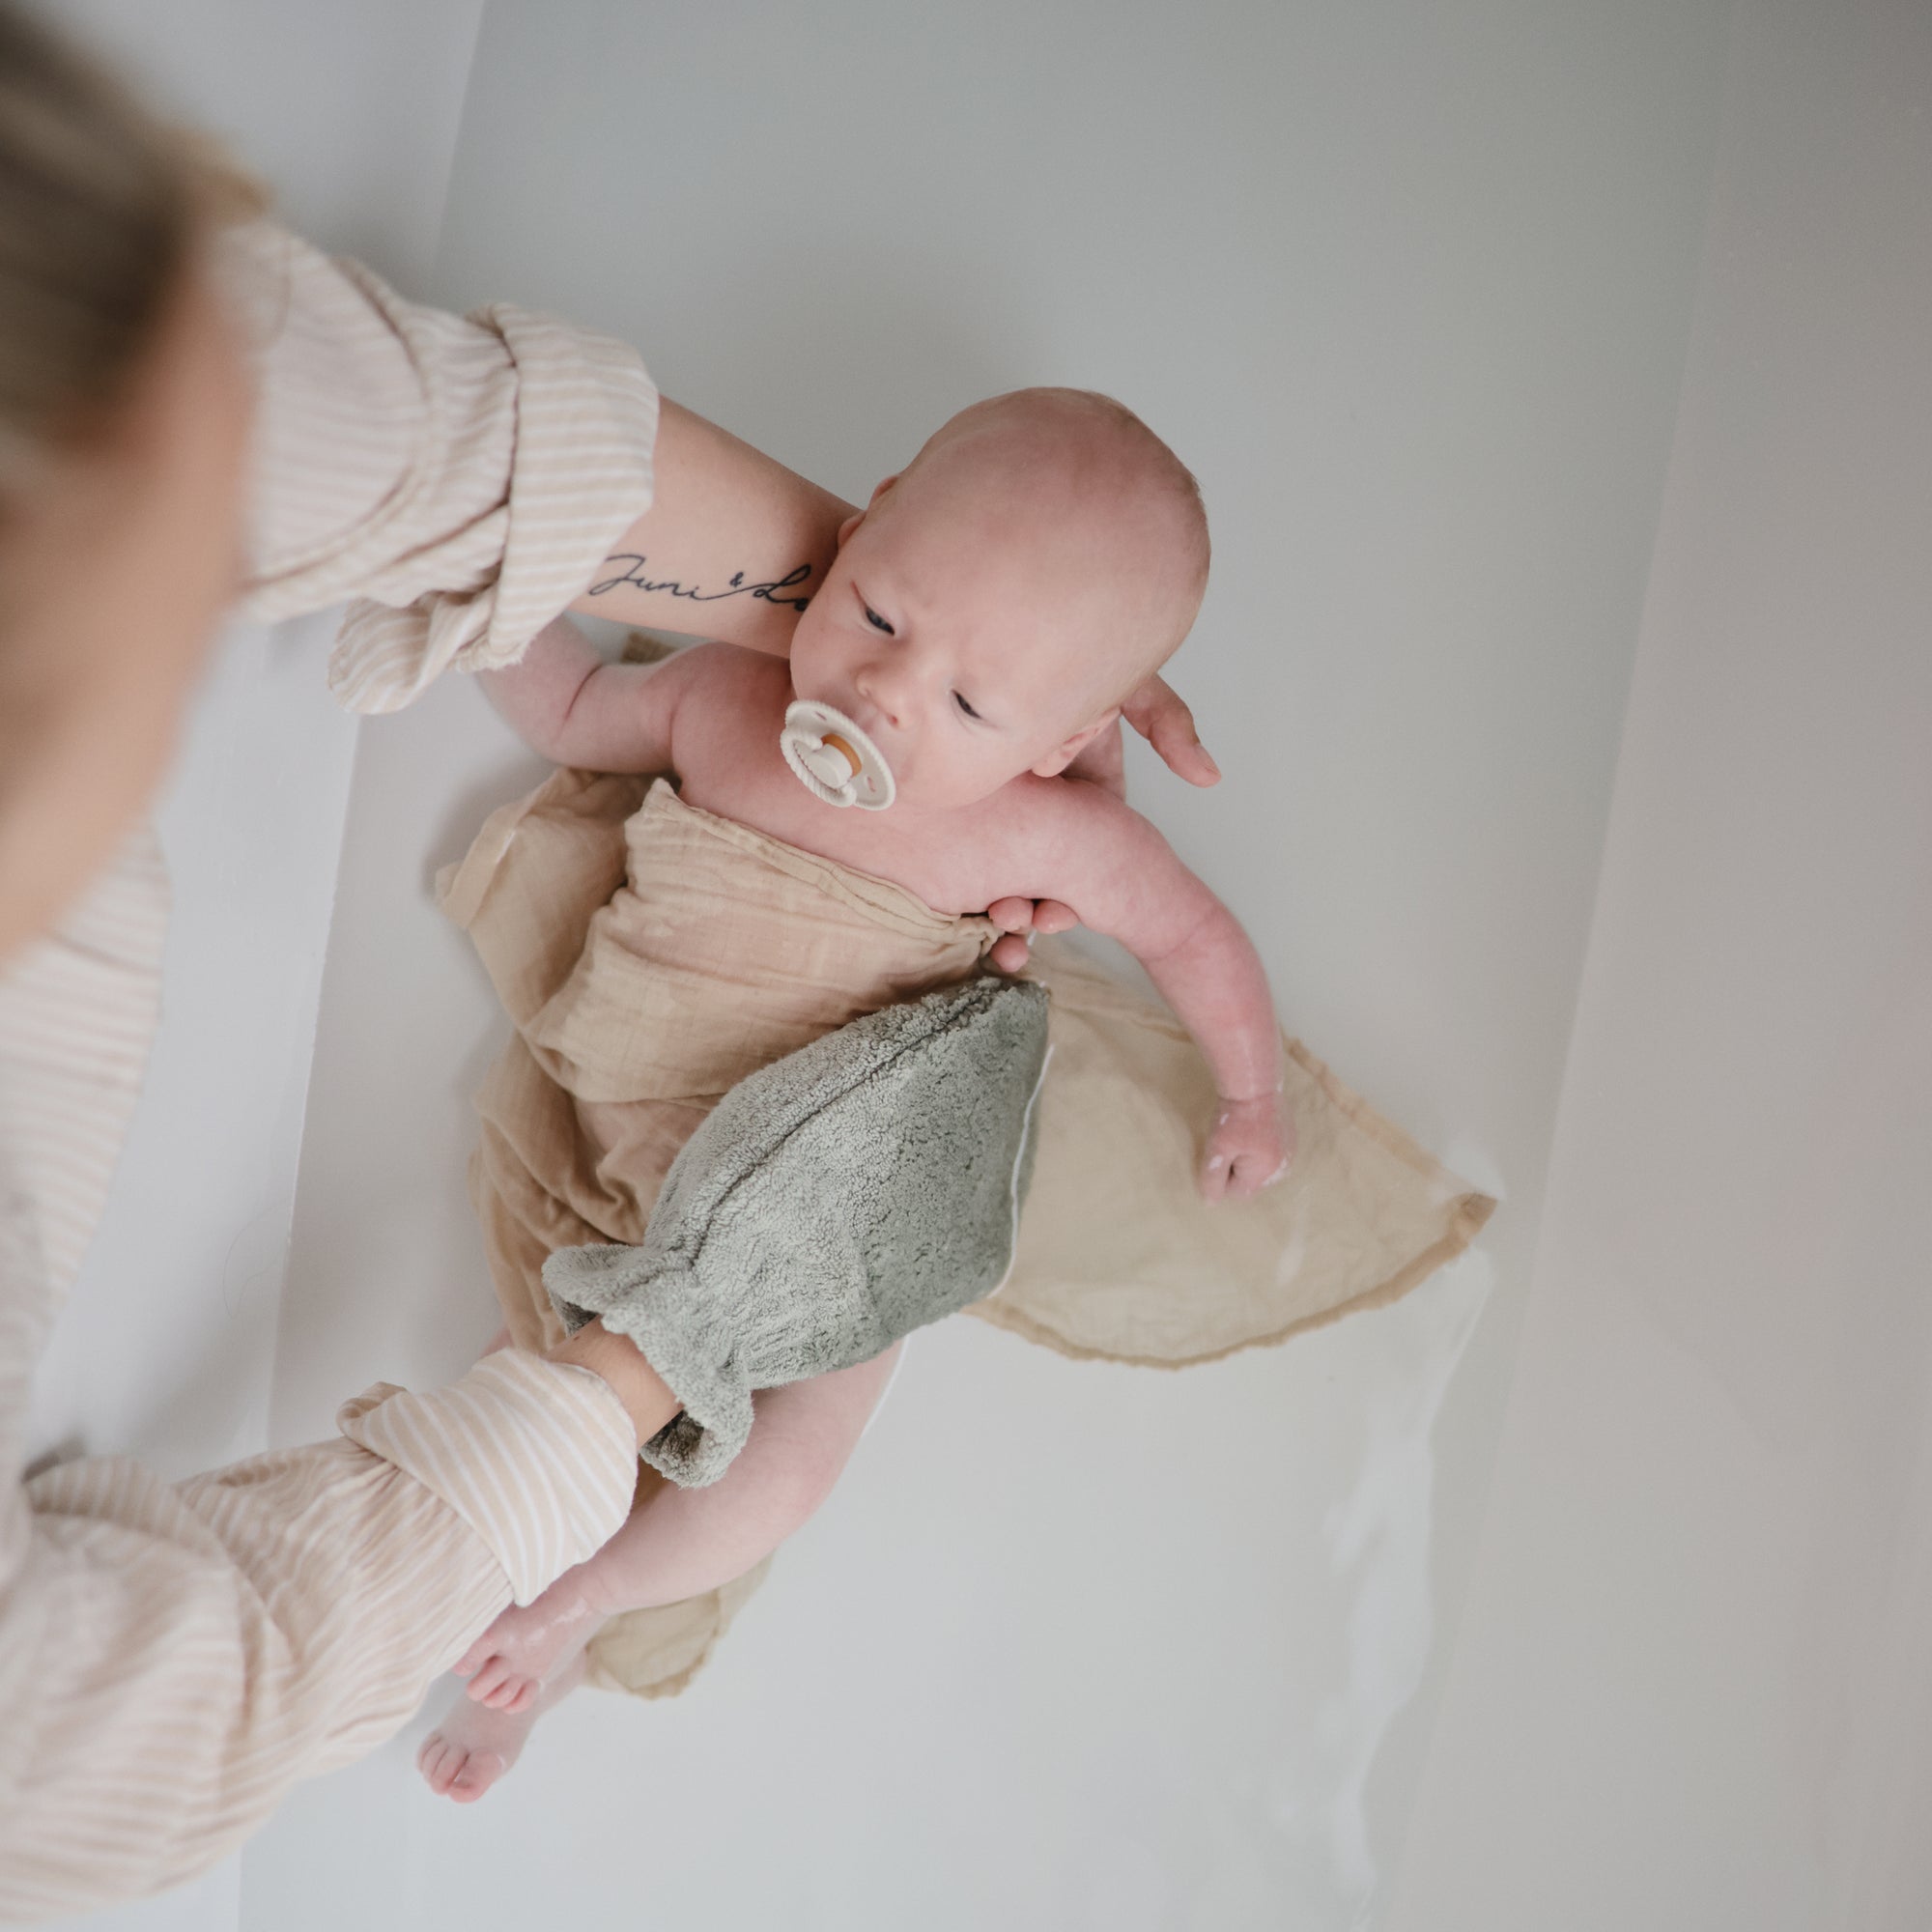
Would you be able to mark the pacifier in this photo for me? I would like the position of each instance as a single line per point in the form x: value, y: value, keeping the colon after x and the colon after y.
x: 834, y: 759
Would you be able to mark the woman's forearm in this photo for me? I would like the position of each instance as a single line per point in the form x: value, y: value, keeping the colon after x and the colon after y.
x: 732, y: 547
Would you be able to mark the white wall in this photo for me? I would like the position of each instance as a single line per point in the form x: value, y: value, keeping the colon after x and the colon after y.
x: 1412, y: 294
x: 347, y: 111
x: 1693, y: 1687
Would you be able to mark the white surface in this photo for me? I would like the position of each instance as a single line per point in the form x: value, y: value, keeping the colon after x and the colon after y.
x: 1418, y: 319
x: 184, y: 1281
x: 347, y: 111
x: 1693, y: 1687
x: 1411, y: 287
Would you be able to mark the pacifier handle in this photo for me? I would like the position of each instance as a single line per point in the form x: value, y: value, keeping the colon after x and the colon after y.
x: 834, y: 759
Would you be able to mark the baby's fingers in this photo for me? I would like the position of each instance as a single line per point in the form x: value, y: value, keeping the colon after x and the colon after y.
x: 1247, y: 1175
x: 1241, y: 1173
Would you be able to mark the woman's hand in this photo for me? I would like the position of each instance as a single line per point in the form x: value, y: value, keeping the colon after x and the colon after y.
x: 1158, y: 712
x: 1018, y: 920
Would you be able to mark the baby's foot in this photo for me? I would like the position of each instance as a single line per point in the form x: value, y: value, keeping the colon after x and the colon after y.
x: 471, y: 1748
x: 508, y: 1664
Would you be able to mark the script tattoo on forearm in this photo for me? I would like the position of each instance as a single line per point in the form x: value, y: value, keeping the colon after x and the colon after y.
x: 634, y: 576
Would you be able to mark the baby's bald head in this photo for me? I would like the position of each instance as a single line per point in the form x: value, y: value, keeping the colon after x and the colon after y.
x: 1104, y: 511
x: 1035, y: 561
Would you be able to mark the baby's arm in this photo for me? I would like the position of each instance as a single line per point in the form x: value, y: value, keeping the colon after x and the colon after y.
x: 563, y: 700
x: 1122, y: 878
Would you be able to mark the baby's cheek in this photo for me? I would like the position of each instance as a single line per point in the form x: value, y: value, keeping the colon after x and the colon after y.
x: 945, y: 777
x: 807, y: 656
x: 821, y: 647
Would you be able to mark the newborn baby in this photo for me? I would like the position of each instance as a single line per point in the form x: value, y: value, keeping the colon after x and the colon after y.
x: 986, y: 617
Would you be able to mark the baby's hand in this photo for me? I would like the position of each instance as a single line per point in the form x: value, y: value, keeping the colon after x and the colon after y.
x: 1250, y: 1147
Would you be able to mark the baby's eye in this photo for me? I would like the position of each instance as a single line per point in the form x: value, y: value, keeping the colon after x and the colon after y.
x: 964, y: 706
x: 877, y: 622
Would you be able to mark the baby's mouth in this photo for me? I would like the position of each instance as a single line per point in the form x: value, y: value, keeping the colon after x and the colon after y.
x: 834, y: 758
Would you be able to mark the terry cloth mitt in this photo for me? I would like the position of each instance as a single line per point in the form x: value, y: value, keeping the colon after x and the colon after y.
x: 840, y: 1197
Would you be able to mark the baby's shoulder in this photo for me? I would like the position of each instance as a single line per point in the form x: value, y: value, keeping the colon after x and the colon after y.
x: 722, y: 688
x: 730, y: 671
x: 730, y: 705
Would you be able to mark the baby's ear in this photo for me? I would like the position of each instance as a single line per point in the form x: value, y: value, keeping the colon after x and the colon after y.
x: 1067, y: 749
x: 858, y: 517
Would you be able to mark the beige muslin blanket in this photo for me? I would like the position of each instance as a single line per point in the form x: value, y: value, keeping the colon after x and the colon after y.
x: 651, y: 954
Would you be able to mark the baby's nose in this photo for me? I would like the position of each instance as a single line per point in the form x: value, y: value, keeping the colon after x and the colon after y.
x: 883, y: 689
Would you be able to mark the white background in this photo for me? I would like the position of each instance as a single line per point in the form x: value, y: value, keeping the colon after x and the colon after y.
x: 1518, y: 347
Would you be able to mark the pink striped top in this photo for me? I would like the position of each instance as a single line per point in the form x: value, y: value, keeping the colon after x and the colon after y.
x: 174, y: 1656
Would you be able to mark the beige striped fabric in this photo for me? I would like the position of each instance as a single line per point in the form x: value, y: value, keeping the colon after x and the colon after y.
x: 518, y: 446
x: 77, y: 1013
x: 546, y: 1508
x: 174, y: 1656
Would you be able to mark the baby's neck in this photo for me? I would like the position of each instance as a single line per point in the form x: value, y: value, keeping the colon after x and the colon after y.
x: 734, y: 767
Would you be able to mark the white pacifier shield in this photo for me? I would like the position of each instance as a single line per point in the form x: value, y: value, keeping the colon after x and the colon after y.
x: 834, y: 759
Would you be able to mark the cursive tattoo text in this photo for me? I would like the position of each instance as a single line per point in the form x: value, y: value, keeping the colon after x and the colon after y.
x: 633, y: 574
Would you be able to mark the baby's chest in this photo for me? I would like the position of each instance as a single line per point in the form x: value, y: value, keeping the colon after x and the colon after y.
x: 950, y: 864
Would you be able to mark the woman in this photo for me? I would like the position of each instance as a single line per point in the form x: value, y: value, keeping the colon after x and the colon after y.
x: 190, y: 411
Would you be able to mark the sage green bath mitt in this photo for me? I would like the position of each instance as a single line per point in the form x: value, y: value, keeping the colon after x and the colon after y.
x: 832, y: 1201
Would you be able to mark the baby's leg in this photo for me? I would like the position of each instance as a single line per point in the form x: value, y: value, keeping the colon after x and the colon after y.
x: 680, y: 1543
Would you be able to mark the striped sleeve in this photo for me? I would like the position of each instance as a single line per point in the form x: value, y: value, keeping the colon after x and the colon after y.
x: 77, y: 1015
x: 173, y: 1656
x: 461, y: 478
x: 538, y: 1458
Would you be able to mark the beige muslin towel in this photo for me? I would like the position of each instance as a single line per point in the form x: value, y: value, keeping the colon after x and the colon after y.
x: 651, y: 954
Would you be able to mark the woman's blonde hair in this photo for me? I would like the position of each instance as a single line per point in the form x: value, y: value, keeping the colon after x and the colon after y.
x: 99, y: 204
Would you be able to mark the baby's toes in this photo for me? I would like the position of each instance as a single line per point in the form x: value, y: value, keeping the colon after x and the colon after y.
x: 487, y: 1676
x: 478, y: 1654
x: 509, y: 1692
x: 439, y: 1762
x: 478, y: 1772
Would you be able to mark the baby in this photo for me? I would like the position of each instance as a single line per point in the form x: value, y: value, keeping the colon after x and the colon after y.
x: 986, y: 617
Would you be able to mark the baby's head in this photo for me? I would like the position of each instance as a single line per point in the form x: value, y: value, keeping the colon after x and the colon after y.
x: 988, y: 613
